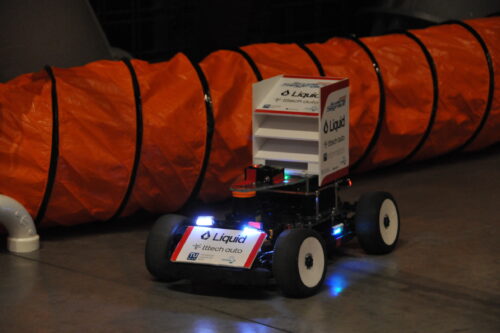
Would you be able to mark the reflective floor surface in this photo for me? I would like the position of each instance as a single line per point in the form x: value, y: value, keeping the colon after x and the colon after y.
x: 444, y: 276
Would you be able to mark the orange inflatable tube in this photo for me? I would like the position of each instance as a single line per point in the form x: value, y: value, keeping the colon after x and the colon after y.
x: 100, y: 141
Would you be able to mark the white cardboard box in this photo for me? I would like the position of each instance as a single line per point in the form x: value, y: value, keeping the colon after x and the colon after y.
x: 302, y: 123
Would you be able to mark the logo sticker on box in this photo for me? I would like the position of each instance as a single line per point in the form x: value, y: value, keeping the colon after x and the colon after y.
x: 220, y: 247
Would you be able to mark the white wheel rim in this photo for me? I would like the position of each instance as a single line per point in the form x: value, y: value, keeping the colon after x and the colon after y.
x: 311, y: 275
x: 388, y: 222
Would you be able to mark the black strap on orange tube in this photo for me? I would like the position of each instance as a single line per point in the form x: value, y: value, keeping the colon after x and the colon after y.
x: 314, y: 59
x: 209, y: 112
x: 491, y: 86
x: 381, y: 112
x: 251, y: 63
x: 435, y: 97
x: 54, y: 150
x: 138, y: 138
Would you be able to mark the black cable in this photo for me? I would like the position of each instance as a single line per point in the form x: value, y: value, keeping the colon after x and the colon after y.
x: 314, y: 58
x: 252, y: 63
x: 209, y: 133
x: 381, y: 113
x: 435, y: 98
x: 138, y: 139
x: 54, y: 151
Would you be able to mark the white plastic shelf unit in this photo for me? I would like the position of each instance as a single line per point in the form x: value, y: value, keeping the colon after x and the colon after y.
x: 286, y: 140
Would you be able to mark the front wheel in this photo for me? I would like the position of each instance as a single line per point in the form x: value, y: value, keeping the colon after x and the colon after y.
x: 299, y: 263
x: 160, y: 245
x: 377, y: 222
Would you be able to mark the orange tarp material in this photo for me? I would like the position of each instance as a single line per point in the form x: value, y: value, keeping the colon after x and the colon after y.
x: 230, y: 89
x: 104, y: 140
x: 462, y: 73
x: 404, y: 63
x: 95, y: 140
x: 344, y: 58
x: 174, y: 142
x: 275, y: 59
x: 489, y: 30
x: 25, y: 138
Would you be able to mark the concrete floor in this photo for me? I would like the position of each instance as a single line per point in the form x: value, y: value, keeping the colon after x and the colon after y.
x: 443, y: 277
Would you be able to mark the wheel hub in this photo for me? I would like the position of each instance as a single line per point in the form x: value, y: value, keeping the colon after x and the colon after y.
x: 387, y: 222
x: 309, y: 261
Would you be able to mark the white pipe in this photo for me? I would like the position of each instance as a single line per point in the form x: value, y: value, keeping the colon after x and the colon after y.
x: 19, y: 224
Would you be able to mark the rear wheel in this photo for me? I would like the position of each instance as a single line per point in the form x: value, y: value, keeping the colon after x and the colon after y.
x: 299, y: 263
x: 377, y: 222
x: 160, y: 245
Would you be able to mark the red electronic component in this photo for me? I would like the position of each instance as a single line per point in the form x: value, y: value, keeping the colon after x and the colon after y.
x: 251, y: 174
x: 256, y: 225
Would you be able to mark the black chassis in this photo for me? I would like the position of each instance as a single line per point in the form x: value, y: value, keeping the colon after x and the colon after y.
x: 298, y: 205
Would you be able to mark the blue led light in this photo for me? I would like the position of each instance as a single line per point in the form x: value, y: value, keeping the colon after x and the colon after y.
x: 337, y: 283
x: 338, y: 229
x: 335, y: 291
x: 205, y: 220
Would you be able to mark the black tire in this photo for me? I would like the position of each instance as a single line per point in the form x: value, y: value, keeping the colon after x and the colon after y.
x: 299, y: 262
x: 377, y: 222
x: 160, y: 245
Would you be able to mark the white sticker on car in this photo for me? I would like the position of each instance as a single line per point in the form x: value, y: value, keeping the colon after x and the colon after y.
x: 221, y: 247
